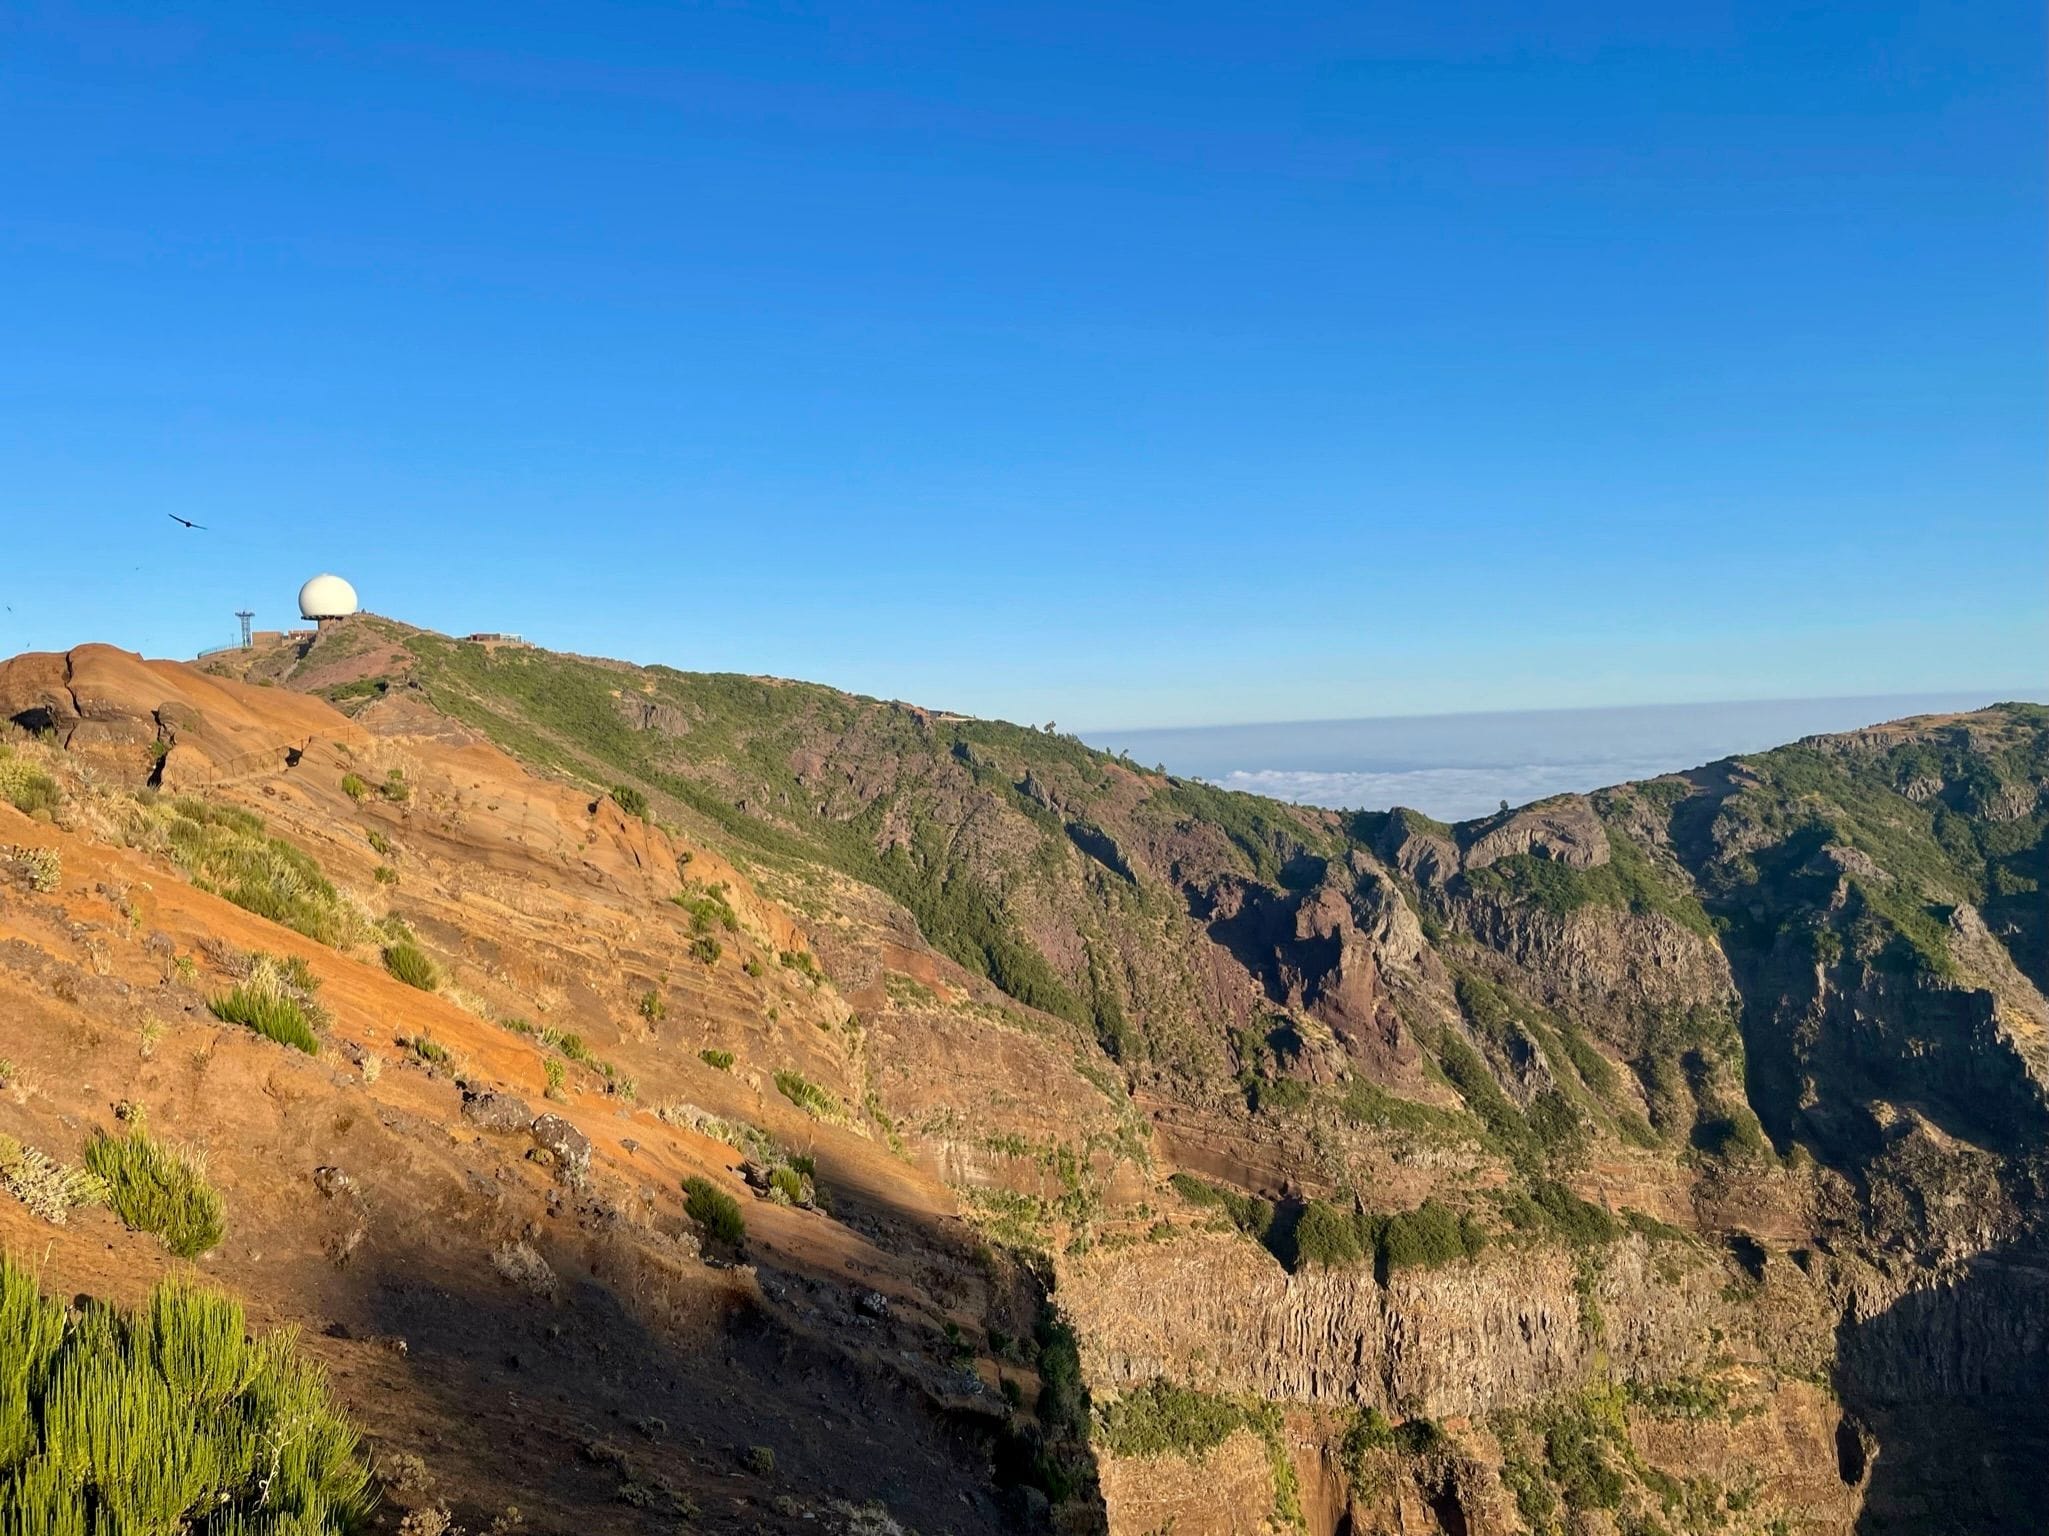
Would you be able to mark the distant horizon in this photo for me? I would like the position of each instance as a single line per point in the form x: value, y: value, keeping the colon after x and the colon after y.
x: 1463, y: 764
x: 1992, y: 696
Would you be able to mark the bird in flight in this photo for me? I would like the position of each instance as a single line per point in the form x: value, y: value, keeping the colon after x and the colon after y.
x: 186, y: 521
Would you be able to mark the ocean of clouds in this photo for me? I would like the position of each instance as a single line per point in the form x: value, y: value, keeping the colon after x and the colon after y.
x: 1449, y: 794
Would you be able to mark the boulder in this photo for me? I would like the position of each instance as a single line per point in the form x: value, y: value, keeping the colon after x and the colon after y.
x: 567, y: 1147
x: 502, y: 1114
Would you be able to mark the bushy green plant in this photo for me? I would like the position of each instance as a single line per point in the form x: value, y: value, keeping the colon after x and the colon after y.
x: 269, y: 1011
x: 717, y: 1212
x: 412, y: 965
x: 630, y: 800
x: 155, y: 1189
x: 354, y: 786
x: 706, y: 949
x: 1325, y: 1235
x: 708, y: 908
x: 652, y: 1008
x: 713, y: 1057
x: 166, y: 1420
x: 25, y: 786
x: 1162, y: 1418
x: 807, y: 1095
x: 430, y: 1050
x: 1430, y: 1235
x: 41, y: 868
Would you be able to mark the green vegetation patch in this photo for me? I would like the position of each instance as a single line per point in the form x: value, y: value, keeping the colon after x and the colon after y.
x: 708, y: 908
x: 808, y: 1096
x: 226, y: 851
x: 717, y: 1212
x: 155, y: 1189
x: 412, y: 965
x: 271, y: 1012
x: 166, y: 1419
x: 1431, y: 1235
x: 25, y: 786
x: 1628, y: 882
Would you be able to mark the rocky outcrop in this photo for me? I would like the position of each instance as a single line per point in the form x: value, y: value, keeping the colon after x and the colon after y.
x: 1565, y: 829
x: 1464, y: 1340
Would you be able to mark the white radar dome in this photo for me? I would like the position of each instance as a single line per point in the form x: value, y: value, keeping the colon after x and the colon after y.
x: 327, y: 597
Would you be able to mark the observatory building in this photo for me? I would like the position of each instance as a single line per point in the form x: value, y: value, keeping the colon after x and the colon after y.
x: 326, y: 599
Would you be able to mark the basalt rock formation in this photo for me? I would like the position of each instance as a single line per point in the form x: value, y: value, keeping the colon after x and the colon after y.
x: 1110, y: 1151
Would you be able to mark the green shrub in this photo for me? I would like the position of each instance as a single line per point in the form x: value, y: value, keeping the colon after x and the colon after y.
x: 788, y: 1183
x: 570, y: 1044
x: 807, y: 1095
x: 1325, y: 1235
x: 1430, y: 1235
x: 354, y: 786
x: 801, y: 962
x: 385, y: 875
x: 394, y: 788
x: 712, y: 1057
x: 630, y: 800
x: 652, y: 1008
x: 412, y: 965
x: 154, y: 1189
x: 706, y: 949
x: 717, y: 1212
x: 271, y: 1012
x: 708, y: 908
x: 42, y: 868
x: 753, y: 967
x: 1575, y: 1445
x: 379, y: 843
x: 165, y: 1420
x: 25, y: 786
x: 551, y: 1070
x: 1164, y: 1419
x: 430, y: 1050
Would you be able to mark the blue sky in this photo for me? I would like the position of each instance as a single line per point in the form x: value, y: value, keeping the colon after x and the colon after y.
x: 1122, y: 365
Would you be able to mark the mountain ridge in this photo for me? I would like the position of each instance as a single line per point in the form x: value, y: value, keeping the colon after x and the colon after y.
x: 1310, y: 1121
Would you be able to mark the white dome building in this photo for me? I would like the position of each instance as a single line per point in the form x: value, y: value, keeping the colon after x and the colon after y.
x: 327, y: 597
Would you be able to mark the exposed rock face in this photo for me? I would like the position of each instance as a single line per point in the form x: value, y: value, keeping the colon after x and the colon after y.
x: 1565, y: 829
x: 1455, y: 1342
